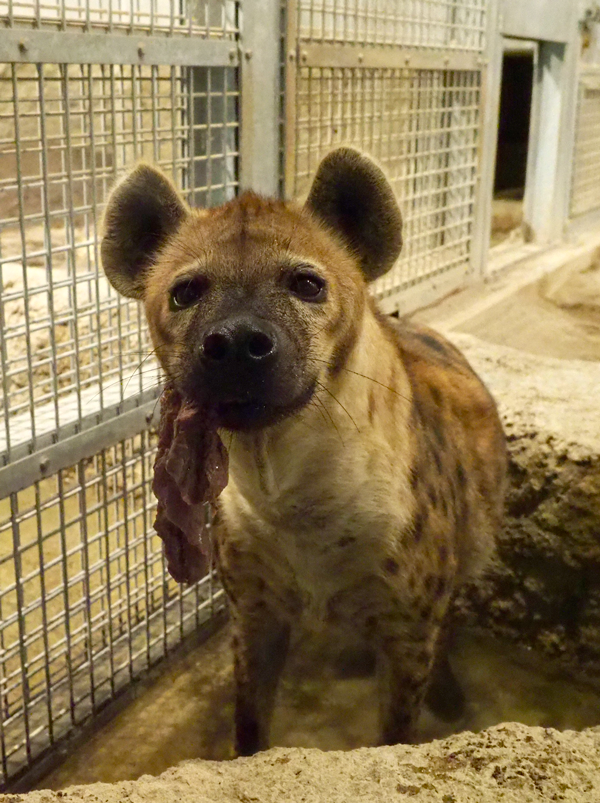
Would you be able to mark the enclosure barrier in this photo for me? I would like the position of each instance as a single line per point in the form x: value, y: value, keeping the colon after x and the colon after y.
x: 402, y: 81
x: 87, y: 87
x: 585, y: 185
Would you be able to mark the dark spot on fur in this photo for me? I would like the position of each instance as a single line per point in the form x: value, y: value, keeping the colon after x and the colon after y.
x: 346, y: 540
x: 391, y: 566
x: 437, y: 460
x: 444, y: 503
x: 463, y: 519
x: 414, y: 479
x: 435, y: 395
x: 371, y: 622
x: 443, y: 553
x: 232, y: 553
x: 460, y: 473
x: 433, y: 495
x: 418, y: 525
x: 371, y: 406
x: 432, y: 343
x: 429, y: 583
x: 440, y: 588
x: 438, y: 434
x: 342, y: 352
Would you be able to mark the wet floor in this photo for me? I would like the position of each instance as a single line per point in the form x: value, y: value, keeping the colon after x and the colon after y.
x: 188, y: 712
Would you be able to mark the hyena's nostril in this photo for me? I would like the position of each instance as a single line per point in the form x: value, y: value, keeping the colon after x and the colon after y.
x: 239, y: 341
x: 216, y: 346
x: 259, y: 345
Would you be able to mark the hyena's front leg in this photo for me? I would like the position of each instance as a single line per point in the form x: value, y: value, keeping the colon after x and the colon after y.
x: 260, y: 644
x: 404, y: 663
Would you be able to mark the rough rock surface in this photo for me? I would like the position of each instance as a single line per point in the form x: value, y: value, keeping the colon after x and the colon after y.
x: 544, y: 590
x: 508, y: 763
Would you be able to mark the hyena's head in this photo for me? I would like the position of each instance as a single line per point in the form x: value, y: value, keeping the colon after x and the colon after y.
x: 252, y: 304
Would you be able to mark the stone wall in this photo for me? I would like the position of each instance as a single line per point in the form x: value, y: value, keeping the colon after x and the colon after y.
x: 544, y: 590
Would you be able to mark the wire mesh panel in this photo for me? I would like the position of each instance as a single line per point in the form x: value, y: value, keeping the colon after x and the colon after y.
x: 585, y: 188
x: 422, y: 126
x: 71, y: 347
x: 206, y: 18
x: 86, y: 604
x: 400, y: 80
x: 448, y: 24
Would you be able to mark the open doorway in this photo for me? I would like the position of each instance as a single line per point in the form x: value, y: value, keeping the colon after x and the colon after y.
x: 514, y: 123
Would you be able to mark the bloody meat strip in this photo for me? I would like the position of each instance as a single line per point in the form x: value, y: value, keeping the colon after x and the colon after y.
x: 190, y: 470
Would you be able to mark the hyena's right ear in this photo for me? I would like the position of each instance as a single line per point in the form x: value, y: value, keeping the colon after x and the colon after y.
x: 143, y: 211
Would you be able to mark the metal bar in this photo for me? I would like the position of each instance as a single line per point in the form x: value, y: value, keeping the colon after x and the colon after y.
x: 290, y: 99
x: 24, y: 248
x: 26, y: 47
x: 34, y: 775
x: 421, y: 292
x: 46, y: 462
x: 45, y: 173
x: 384, y: 57
x: 259, y: 140
x: 102, y: 416
x: 16, y: 534
x: 44, y: 602
x: 488, y: 141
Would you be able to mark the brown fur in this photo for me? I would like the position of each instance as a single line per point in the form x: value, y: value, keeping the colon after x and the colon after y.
x: 365, y: 507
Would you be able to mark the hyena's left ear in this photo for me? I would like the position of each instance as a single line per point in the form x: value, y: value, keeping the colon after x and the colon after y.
x: 351, y: 195
x: 143, y: 211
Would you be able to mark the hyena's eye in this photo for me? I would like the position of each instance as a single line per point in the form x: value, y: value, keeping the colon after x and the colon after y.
x: 187, y: 292
x: 307, y: 285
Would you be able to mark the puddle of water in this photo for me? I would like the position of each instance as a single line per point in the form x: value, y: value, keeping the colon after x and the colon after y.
x: 188, y: 712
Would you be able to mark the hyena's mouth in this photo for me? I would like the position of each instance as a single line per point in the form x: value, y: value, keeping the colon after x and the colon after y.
x: 251, y: 414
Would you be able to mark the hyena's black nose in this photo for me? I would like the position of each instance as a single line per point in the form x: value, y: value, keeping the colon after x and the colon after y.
x: 242, y: 340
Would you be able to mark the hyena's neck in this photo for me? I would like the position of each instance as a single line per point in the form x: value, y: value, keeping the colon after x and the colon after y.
x: 359, y: 415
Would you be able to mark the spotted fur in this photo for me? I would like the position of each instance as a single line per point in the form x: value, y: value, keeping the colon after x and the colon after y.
x: 366, y: 508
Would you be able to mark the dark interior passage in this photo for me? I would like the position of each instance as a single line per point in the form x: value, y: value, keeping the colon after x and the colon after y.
x: 513, y: 127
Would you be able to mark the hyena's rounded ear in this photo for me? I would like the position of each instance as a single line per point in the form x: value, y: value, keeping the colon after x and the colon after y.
x: 142, y: 212
x: 351, y: 195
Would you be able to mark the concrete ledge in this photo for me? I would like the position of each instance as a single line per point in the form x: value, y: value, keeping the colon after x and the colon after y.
x: 509, y: 763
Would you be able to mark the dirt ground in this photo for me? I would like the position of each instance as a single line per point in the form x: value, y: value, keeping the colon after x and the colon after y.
x: 188, y: 712
x: 557, y: 315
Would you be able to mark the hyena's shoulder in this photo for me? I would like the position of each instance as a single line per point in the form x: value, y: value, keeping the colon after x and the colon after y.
x: 460, y: 443
x: 441, y: 378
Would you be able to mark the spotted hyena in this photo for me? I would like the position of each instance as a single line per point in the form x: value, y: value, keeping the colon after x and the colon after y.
x: 367, y: 461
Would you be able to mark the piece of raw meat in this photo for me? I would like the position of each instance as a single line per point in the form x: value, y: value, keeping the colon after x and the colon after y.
x: 190, y: 471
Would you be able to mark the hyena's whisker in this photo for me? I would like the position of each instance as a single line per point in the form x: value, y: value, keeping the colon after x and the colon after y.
x: 329, y: 416
x: 338, y: 402
x: 364, y: 376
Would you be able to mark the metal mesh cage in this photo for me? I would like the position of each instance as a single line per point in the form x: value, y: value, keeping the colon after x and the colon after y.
x: 199, y: 18
x: 585, y: 188
x: 423, y: 127
x: 447, y: 24
x: 71, y: 347
x: 86, y: 604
